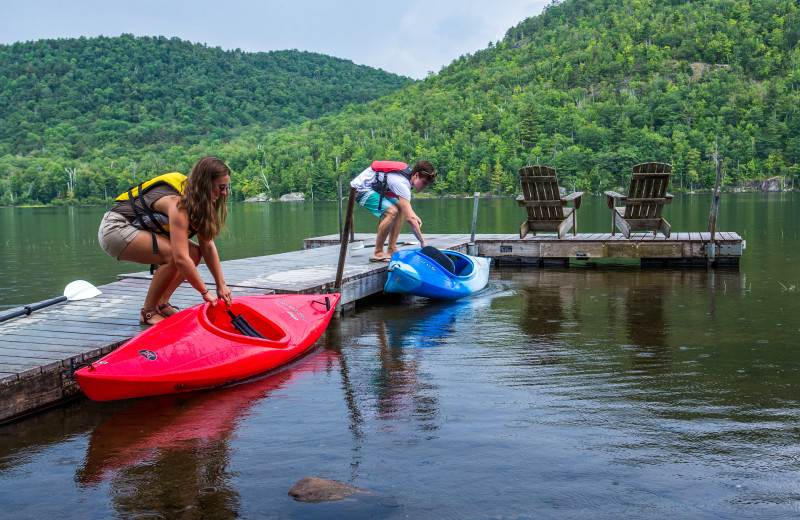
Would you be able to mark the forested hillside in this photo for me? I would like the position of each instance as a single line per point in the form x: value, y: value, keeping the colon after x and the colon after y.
x: 589, y: 86
x: 148, y: 100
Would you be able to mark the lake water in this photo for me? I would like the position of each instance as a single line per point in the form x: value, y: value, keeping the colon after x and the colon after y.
x: 599, y: 391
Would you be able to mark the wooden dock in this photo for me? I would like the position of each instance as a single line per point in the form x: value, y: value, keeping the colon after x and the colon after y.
x: 680, y: 249
x: 36, y: 351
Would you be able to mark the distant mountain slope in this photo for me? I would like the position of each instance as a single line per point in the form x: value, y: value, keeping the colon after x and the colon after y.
x: 88, y: 93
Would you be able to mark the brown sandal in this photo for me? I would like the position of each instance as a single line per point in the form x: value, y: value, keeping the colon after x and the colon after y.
x: 147, y: 314
x: 163, y: 306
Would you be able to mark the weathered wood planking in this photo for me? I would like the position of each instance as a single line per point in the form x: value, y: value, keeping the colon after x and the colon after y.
x: 678, y: 249
x: 584, y: 245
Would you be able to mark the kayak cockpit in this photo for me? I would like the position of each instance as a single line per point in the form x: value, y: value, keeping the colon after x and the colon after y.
x: 463, y: 267
x: 218, y: 320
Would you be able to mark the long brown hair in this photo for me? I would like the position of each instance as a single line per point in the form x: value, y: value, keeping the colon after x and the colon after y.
x: 206, y: 217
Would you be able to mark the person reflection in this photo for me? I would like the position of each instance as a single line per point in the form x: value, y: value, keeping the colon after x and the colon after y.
x: 402, y: 391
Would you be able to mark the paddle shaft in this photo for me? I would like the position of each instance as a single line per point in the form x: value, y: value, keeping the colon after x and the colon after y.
x: 28, y: 309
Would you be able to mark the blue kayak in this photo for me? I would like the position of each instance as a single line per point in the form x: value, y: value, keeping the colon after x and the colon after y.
x: 436, y: 274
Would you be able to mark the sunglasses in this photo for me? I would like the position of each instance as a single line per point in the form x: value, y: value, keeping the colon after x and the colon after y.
x: 223, y: 187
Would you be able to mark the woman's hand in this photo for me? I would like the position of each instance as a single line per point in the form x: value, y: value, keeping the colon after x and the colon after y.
x: 224, y: 294
x: 209, y: 297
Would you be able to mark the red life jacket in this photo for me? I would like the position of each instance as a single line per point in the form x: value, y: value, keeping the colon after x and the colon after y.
x: 381, y: 184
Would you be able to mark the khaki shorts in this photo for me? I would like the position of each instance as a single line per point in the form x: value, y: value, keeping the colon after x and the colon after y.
x: 115, y: 234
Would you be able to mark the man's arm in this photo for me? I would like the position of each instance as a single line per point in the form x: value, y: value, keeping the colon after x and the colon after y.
x: 414, y: 222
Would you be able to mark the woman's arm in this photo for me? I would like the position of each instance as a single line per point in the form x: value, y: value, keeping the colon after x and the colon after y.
x: 210, y: 255
x: 179, y: 241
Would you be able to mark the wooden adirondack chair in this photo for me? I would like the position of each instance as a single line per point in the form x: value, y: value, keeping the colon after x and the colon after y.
x: 642, y: 207
x: 543, y: 201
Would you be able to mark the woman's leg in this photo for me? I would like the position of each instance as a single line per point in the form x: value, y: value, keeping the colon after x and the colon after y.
x: 140, y: 250
x: 178, y: 279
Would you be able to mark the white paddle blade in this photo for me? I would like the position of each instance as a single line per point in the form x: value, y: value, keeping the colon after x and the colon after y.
x: 80, y: 290
x: 355, y: 246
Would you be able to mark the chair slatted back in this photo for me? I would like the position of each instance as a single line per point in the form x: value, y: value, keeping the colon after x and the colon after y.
x: 648, y: 190
x: 539, y: 184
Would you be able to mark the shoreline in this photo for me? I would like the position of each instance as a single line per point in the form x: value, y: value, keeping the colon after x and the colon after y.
x: 738, y: 191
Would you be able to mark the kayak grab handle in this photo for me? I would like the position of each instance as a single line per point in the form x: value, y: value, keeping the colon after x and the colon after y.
x: 73, y: 367
x: 327, y: 303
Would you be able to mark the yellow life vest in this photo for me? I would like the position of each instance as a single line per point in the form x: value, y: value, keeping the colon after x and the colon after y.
x: 174, y: 179
x: 149, y: 220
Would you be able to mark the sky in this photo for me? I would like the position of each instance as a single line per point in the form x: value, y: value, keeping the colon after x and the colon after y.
x: 411, y: 37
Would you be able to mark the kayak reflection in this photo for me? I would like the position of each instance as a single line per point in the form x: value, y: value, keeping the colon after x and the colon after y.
x: 197, y: 425
x: 403, y: 332
x: 425, y: 323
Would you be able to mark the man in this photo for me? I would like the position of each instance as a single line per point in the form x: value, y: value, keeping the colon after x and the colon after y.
x: 385, y: 190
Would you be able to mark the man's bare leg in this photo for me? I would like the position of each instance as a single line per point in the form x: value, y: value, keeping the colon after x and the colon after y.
x: 391, y: 247
x: 388, y: 219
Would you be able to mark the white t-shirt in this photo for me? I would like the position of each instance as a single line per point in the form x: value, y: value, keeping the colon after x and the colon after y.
x: 398, y: 185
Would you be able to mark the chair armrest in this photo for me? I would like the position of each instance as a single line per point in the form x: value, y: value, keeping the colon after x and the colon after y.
x: 574, y: 196
x: 611, y: 196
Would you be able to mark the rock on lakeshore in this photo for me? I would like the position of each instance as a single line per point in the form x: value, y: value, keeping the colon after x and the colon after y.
x: 261, y: 197
x: 313, y: 489
x: 292, y: 197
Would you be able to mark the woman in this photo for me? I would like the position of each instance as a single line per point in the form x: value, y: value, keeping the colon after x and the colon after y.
x: 152, y: 224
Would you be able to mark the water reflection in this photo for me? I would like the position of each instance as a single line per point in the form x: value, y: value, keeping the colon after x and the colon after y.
x: 551, y: 303
x: 400, y: 391
x: 400, y: 333
x: 172, y: 453
x: 611, y: 390
x: 653, y: 311
x: 401, y: 387
x: 645, y: 321
x: 585, y: 305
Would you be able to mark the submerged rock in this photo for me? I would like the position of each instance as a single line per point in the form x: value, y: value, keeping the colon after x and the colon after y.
x: 313, y: 489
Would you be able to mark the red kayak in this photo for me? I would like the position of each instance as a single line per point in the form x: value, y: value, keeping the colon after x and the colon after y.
x: 205, y: 346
